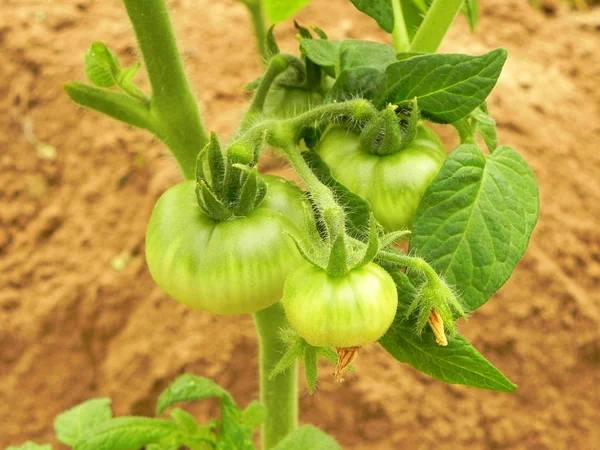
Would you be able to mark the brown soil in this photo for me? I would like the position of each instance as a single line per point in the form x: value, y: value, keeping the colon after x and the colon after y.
x: 72, y: 327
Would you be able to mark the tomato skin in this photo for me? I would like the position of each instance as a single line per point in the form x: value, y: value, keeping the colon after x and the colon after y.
x: 348, y: 311
x: 288, y: 102
x: 393, y: 184
x: 232, y: 267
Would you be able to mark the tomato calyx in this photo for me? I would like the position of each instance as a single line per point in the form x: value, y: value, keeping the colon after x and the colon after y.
x: 227, y: 183
x: 298, y: 348
x: 340, y: 254
x: 390, y: 132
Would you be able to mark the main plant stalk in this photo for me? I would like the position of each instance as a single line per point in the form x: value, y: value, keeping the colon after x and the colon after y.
x: 280, y: 394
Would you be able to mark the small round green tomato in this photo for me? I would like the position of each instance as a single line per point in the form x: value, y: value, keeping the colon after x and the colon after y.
x: 288, y: 102
x: 348, y: 311
x: 235, y: 266
x: 393, y: 184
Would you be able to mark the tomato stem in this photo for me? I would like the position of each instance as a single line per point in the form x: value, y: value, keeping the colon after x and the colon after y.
x: 259, y: 26
x: 399, y: 34
x: 436, y: 24
x: 279, y: 395
x: 173, y: 104
x: 277, y: 65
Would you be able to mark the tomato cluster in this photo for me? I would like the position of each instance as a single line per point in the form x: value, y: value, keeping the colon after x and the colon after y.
x: 233, y: 265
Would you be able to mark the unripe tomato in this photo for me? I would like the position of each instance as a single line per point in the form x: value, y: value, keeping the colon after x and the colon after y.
x: 288, y: 102
x: 393, y: 184
x: 231, y: 267
x: 347, y: 311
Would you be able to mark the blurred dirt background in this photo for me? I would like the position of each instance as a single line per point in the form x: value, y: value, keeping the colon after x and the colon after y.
x: 80, y: 316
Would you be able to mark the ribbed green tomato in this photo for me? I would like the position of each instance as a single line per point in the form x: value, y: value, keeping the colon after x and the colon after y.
x: 288, y: 102
x: 393, y: 184
x: 347, y: 311
x: 231, y: 267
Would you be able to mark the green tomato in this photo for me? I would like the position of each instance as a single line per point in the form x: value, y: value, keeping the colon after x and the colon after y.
x: 393, y: 184
x: 231, y: 267
x: 288, y: 102
x: 347, y: 311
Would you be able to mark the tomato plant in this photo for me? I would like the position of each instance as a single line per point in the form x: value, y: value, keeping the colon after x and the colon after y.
x: 348, y: 115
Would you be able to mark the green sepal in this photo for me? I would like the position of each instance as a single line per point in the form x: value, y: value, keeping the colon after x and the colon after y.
x: 410, y: 125
x: 373, y: 244
x: 247, y: 198
x: 320, y: 32
x: 382, y: 135
x: 214, y: 208
x: 271, y: 46
x: 216, y: 164
x: 435, y: 293
x: 337, y: 265
x: 295, y: 346
x: 308, y: 255
x: 261, y: 192
x: 303, y: 31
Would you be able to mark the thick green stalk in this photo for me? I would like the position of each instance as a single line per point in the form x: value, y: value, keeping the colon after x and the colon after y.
x: 436, y: 24
x: 280, y: 394
x: 173, y: 103
x: 259, y: 26
x: 399, y: 34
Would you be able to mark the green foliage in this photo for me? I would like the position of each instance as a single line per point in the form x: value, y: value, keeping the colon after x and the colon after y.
x: 475, y: 220
x: 447, y: 86
x: 71, y: 425
x: 104, y: 70
x: 279, y: 10
x: 308, y: 438
x: 457, y: 363
x: 30, y: 446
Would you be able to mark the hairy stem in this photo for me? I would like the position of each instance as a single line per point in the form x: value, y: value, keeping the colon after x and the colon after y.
x: 399, y: 34
x: 436, y: 24
x: 173, y: 103
x: 280, y: 394
x: 277, y: 65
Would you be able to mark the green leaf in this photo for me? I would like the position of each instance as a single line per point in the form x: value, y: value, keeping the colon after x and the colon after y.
x: 30, y: 446
x: 101, y: 65
x: 457, y: 363
x: 279, y: 10
x: 337, y: 56
x: 233, y: 435
x: 475, y: 220
x: 360, y: 82
x: 357, y: 209
x: 308, y: 437
x: 254, y: 414
x: 447, y: 86
x: 187, y: 423
x: 114, y: 104
x: 126, y: 433
x: 188, y: 388
x: 71, y: 425
x: 380, y: 10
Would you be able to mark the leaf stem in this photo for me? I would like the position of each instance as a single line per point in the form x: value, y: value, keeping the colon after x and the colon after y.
x: 436, y: 24
x: 399, y: 34
x: 259, y: 26
x: 173, y: 103
x: 279, y: 395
